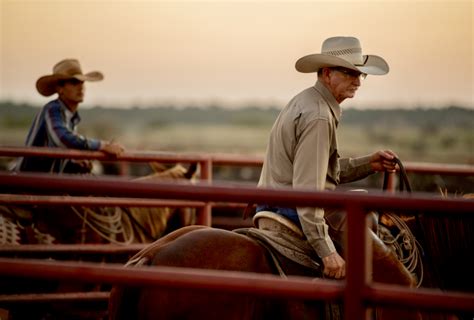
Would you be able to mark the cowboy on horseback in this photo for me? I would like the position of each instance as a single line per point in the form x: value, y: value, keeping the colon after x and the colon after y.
x: 56, y: 124
x: 303, y: 151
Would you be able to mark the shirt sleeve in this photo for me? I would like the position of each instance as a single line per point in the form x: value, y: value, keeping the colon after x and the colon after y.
x: 62, y: 136
x: 310, y: 170
x: 352, y: 169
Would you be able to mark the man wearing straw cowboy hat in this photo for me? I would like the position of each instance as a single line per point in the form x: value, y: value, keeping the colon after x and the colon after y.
x: 302, y: 150
x: 56, y: 124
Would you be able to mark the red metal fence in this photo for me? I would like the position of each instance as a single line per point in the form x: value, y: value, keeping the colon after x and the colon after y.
x: 206, y: 162
x: 356, y: 291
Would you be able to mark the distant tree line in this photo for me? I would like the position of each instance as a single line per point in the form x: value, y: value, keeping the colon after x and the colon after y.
x: 20, y: 115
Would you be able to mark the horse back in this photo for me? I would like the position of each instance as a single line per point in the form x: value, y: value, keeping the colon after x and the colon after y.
x: 205, y: 248
x: 215, y: 249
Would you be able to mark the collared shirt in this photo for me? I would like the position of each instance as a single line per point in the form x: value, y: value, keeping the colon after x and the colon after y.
x: 302, y: 153
x: 54, y: 126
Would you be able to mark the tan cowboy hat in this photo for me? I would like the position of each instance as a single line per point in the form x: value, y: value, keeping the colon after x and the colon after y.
x: 63, y: 70
x: 342, y: 52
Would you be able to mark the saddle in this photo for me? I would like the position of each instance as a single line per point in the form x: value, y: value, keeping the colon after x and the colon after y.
x: 285, y: 243
x: 17, y: 226
x: 291, y: 254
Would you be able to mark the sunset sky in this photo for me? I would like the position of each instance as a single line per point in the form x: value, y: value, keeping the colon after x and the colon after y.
x: 240, y: 52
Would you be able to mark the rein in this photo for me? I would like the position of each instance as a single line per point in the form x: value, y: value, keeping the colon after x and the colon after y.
x: 403, y: 177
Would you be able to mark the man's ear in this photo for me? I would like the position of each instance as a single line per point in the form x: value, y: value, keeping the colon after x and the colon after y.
x: 325, y: 73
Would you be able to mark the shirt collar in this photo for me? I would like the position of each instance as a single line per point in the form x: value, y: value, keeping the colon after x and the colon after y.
x: 327, y: 95
x: 70, y: 116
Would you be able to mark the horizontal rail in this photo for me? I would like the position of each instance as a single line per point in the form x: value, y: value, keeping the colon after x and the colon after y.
x: 390, y: 295
x: 233, y: 282
x: 26, y: 199
x: 216, y: 159
x: 20, y: 199
x: 9, y: 299
x: 73, y: 248
x: 168, y: 277
x: 438, y: 168
x: 118, y: 187
x: 130, y: 156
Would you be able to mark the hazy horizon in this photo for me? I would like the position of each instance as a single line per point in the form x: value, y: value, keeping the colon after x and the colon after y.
x: 236, y: 53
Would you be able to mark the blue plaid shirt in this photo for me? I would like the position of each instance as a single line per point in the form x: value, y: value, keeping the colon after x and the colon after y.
x: 54, y: 126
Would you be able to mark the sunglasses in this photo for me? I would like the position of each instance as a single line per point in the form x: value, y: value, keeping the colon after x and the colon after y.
x: 348, y: 73
x: 72, y: 81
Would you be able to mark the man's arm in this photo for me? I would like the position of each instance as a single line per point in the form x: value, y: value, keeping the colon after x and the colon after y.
x: 310, y: 170
x: 62, y: 136
x: 353, y: 169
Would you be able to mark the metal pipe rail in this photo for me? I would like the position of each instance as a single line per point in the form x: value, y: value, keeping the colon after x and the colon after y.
x: 357, y: 292
x: 41, y: 200
x: 93, y: 249
x: 213, y: 159
x: 10, y: 299
x: 206, y: 162
x: 205, y: 192
x: 131, y: 156
x: 238, y: 282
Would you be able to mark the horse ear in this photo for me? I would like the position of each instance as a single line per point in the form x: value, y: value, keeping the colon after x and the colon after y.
x: 157, y: 167
x: 191, y: 170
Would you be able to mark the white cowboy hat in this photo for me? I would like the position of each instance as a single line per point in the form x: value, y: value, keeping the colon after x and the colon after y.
x: 342, y: 52
x: 63, y: 70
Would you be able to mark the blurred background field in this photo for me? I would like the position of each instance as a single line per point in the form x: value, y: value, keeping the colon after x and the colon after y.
x: 443, y: 135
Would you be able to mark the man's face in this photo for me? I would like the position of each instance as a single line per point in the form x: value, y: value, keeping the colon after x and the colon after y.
x: 344, y: 83
x: 72, y: 91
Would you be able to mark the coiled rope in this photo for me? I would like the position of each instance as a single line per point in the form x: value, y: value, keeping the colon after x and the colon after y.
x: 108, y: 226
x: 404, y: 243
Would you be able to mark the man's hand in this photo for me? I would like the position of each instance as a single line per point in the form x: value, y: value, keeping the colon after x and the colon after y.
x: 383, y: 161
x: 334, y: 266
x: 112, y: 148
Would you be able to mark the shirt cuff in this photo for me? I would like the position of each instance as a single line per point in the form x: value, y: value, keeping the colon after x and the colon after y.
x: 324, y: 247
x: 94, y: 144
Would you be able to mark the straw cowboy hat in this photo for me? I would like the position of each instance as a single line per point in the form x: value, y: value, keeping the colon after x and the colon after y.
x: 63, y: 70
x: 342, y: 52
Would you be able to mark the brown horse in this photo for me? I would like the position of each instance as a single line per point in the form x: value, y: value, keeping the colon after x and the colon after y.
x: 210, y: 248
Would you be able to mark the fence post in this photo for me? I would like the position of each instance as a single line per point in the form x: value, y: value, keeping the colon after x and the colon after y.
x: 391, y: 182
x: 204, y: 214
x: 357, y: 264
x: 124, y: 168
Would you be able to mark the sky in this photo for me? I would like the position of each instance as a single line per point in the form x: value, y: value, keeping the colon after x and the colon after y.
x: 236, y: 53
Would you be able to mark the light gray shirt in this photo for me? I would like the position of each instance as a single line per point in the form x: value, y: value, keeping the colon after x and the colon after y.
x: 302, y: 152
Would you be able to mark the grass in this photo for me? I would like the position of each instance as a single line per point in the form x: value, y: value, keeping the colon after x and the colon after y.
x: 444, y: 145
